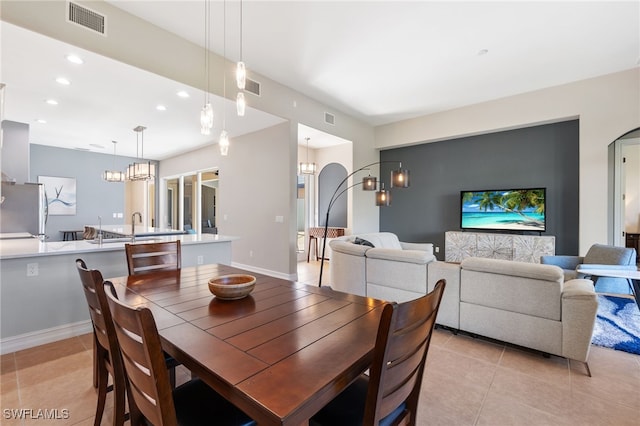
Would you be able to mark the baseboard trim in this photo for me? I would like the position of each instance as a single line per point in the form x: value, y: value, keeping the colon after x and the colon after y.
x: 290, y: 277
x: 41, y: 337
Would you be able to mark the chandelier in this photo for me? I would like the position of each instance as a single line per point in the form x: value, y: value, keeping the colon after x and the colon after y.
x: 113, y: 175
x: 307, y: 168
x: 142, y: 170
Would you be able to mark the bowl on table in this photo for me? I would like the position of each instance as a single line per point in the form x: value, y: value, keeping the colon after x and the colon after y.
x: 232, y: 286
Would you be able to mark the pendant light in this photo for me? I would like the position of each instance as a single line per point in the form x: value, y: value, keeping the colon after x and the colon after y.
x: 307, y: 168
x: 241, y: 76
x: 383, y: 197
x: 400, y: 178
x: 369, y: 183
x: 143, y: 170
x: 206, y: 114
x: 223, y: 141
x: 113, y: 175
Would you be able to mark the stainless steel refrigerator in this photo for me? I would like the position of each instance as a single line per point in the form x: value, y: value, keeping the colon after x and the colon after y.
x: 23, y: 212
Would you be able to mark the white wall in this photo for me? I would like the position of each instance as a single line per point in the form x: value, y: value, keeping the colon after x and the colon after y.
x: 256, y: 185
x: 606, y: 106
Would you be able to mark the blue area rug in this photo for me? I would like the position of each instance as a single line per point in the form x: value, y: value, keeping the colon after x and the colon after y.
x: 617, y: 324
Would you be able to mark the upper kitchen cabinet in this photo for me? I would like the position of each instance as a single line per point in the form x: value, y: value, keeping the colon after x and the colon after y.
x: 15, y: 151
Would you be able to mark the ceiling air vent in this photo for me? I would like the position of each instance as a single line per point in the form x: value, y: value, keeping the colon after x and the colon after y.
x: 252, y: 86
x: 86, y: 17
x: 329, y: 118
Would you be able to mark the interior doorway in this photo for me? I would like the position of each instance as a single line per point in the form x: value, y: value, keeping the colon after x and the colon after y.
x: 626, y: 206
x: 320, y: 148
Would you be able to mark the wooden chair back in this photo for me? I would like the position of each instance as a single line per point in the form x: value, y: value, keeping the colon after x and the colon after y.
x: 153, y: 257
x: 107, y: 357
x: 400, y: 354
x: 150, y: 393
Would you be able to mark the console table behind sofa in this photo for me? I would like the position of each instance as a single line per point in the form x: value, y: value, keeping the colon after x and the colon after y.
x: 523, y: 248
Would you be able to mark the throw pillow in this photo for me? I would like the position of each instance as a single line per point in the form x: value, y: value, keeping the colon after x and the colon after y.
x: 363, y: 242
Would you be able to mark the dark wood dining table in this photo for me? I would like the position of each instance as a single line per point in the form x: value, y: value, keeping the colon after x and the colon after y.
x: 280, y: 354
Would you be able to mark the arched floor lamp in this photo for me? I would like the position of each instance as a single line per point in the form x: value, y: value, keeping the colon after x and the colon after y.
x: 399, y: 179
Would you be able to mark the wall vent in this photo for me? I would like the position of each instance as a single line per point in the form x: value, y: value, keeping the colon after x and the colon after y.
x: 252, y: 86
x: 329, y: 118
x: 87, y: 18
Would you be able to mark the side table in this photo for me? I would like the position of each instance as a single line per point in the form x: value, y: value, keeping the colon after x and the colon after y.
x: 316, y: 233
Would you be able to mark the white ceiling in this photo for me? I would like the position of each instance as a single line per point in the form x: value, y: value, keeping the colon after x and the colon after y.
x: 380, y: 61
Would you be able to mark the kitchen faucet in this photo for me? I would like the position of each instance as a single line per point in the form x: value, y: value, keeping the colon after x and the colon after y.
x: 133, y: 225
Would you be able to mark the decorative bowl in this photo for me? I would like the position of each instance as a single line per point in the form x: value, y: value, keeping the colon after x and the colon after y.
x: 232, y: 286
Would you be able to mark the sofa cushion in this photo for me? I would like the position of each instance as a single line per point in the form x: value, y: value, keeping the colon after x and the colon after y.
x: 382, y: 240
x: 408, y: 256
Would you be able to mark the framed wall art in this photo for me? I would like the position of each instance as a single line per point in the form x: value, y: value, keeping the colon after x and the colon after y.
x: 61, y: 194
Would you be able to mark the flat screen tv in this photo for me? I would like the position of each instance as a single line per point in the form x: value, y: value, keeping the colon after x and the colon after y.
x: 503, y: 210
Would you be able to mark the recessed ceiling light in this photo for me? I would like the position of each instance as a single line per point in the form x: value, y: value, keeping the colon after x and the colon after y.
x: 63, y: 81
x: 51, y: 102
x: 41, y: 121
x: 75, y: 59
x: 482, y: 52
x: 161, y: 108
x: 183, y: 94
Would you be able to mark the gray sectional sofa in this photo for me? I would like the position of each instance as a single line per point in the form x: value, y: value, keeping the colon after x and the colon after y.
x: 527, y: 304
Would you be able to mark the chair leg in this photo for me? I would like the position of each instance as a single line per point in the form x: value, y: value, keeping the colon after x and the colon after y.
x: 102, y: 381
x: 172, y: 377
x: 309, y: 249
x: 95, y: 361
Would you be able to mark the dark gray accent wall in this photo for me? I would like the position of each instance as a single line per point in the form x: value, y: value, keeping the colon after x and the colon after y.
x: 94, y: 196
x: 533, y: 157
x: 328, y: 180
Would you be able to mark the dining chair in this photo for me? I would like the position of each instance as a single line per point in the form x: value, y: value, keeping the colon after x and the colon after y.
x: 153, y: 257
x: 107, y: 358
x: 150, y: 396
x: 390, y: 394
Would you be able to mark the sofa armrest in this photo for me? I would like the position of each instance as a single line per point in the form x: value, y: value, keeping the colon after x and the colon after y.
x: 409, y: 256
x: 579, y: 309
x: 564, y: 262
x: 348, y: 247
x: 428, y: 247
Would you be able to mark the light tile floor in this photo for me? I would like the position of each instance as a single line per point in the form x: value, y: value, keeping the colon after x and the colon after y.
x: 467, y: 382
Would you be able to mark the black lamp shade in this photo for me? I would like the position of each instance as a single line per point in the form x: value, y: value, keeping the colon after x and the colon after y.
x: 369, y: 183
x: 383, y: 197
x: 400, y: 178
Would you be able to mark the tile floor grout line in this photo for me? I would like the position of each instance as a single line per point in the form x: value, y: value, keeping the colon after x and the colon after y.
x: 486, y: 394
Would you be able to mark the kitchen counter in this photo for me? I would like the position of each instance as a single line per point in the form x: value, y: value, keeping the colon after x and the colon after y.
x: 41, y: 298
x: 33, y: 247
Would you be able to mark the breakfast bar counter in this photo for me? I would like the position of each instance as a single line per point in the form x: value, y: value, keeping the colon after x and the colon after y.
x: 41, y: 299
